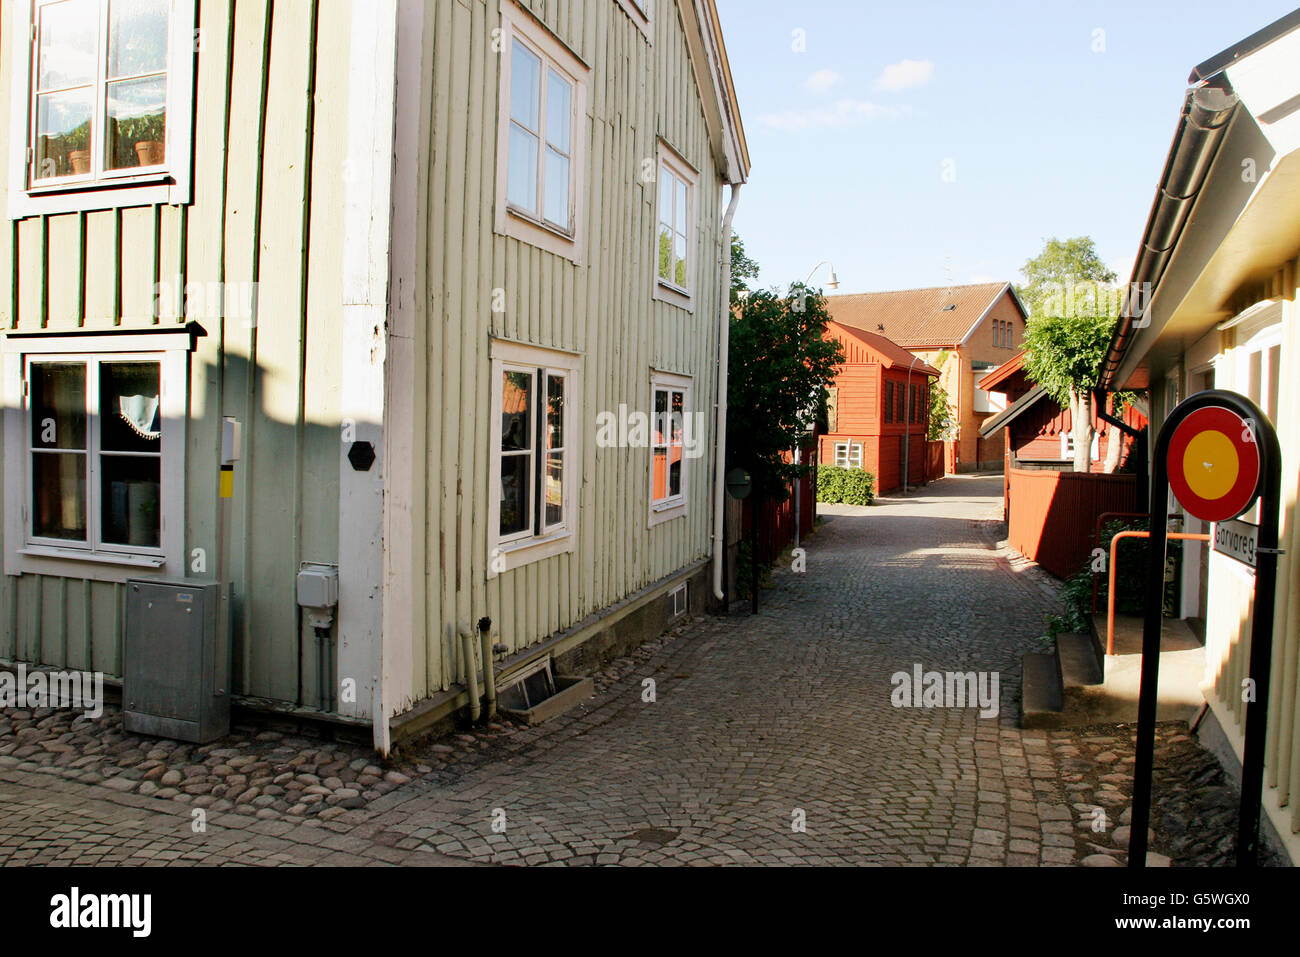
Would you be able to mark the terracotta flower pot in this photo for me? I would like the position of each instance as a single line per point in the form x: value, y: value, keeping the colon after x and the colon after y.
x: 149, y: 152
x: 80, y: 160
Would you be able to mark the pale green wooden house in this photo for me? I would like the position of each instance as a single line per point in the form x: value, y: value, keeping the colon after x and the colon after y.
x: 479, y: 237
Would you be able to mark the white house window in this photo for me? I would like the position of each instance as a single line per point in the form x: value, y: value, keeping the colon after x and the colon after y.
x: 672, y: 438
x: 848, y: 455
x: 94, y: 470
x: 542, y: 129
x: 534, y: 446
x: 1067, y: 445
x: 109, y: 86
x: 674, y: 229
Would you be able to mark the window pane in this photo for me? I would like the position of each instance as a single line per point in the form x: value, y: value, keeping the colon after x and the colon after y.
x: 130, y: 490
x: 129, y: 399
x: 665, y: 253
x: 58, y: 405
x: 515, y: 494
x: 680, y: 222
x: 675, y: 471
x: 661, y: 417
x: 660, y: 475
x: 555, y: 412
x: 554, y: 488
x: 679, y: 261
x: 557, y: 188
x: 63, y: 133
x: 137, y: 123
x: 137, y: 37
x: 516, y: 411
x: 665, y: 197
x: 559, y: 110
x: 67, y: 49
x: 521, y: 181
x: 679, y: 410
x: 59, y: 495
x: 525, y: 86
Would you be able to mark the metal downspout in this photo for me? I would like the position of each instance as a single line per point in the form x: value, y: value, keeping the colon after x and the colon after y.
x: 720, y: 450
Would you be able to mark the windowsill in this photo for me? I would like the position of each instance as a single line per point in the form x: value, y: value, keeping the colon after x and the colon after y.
x: 538, y: 233
x: 110, y: 182
x: 98, y: 558
x: 526, y: 551
x: 121, y: 194
x: 666, y: 512
x: 673, y: 295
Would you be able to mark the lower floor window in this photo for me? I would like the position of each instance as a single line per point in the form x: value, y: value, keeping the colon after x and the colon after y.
x: 848, y: 455
x: 95, y: 451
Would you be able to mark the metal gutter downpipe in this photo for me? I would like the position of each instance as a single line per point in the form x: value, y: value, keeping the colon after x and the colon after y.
x: 720, y: 451
x: 471, y: 672
x: 489, y: 671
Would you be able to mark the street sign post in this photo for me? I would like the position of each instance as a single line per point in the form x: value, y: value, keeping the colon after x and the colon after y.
x: 1219, y: 455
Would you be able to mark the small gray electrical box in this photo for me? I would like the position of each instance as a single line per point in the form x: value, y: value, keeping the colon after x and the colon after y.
x: 176, y: 673
x: 318, y: 586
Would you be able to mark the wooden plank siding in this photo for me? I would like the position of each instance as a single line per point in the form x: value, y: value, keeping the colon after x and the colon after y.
x: 603, y: 309
x: 257, y: 172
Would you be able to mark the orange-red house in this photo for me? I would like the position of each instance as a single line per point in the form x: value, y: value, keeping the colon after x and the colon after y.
x: 877, y: 408
x: 964, y: 331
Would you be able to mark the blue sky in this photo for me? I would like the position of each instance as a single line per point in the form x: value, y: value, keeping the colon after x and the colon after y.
x: 849, y: 139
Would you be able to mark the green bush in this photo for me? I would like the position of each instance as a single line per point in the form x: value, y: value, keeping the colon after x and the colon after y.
x: 845, y: 486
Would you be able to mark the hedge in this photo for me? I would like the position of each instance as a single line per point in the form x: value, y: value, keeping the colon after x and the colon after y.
x: 845, y: 486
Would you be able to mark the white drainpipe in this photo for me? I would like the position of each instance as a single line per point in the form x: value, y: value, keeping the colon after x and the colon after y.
x: 720, y: 451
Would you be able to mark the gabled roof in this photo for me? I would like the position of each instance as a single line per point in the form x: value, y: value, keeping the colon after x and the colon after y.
x: 890, y: 354
x: 939, y: 317
x: 717, y: 89
x: 1002, y: 373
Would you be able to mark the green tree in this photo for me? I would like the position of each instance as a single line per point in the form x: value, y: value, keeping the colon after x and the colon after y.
x: 1072, y: 302
x: 781, y: 363
x: 942, y: 420
x: 742, y: 269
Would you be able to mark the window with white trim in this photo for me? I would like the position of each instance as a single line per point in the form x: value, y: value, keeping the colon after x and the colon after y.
x: 1067, y: 445
x: 104, y: 116
x: 95, y: 466
x: 534, y: 454
x: 542, y: 130
x: 675, y: 229
x: 672, y: 439
x: 848, y: 455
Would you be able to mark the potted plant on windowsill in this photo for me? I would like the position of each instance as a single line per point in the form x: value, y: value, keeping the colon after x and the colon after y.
x: 149, y: 138
x: 77, y: 143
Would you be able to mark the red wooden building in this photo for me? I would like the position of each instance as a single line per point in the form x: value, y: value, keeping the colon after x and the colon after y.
x: 879, y: 401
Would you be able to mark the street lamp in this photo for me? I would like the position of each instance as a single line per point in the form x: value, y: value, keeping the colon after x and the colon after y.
x: 833, y: 282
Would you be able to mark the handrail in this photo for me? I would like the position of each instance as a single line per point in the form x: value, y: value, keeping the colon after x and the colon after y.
x: 1114, y: 557
x: 1096, y: 539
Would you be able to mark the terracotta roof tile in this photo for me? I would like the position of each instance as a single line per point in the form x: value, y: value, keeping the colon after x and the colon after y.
x: 892, y: 353
x: 917, y: 317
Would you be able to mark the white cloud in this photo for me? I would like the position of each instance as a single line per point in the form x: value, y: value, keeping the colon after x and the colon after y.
x: 821, y: 81
x: 843, y: 113
x: 904, y: 75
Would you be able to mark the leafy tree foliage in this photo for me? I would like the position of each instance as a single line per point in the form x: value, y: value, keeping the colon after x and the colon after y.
x: 742, y: 268
x: 781, y: 363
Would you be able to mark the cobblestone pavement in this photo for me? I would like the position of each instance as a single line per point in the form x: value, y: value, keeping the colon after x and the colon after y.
x: 767, y: 739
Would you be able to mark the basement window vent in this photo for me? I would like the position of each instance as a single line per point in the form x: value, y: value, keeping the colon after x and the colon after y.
x: 529, y: 688
x: 677, y: 602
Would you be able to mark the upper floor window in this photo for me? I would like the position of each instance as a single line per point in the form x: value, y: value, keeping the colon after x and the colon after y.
x: 542, y: 131
x: 106, y: 121
x: 675, y: 229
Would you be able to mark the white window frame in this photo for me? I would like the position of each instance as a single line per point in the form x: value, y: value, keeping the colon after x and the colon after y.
x: 671, y: 506
x: 1067, y: 446
x: 25, y: 554
x: 518, y: 23
x: 846, y: 453
x: 671, y: 163
x: 513, y: 551
x: 168, y: 183
x: 640, y: 12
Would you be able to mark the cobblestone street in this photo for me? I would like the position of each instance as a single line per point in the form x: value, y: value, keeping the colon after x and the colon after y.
x: 770, y: 739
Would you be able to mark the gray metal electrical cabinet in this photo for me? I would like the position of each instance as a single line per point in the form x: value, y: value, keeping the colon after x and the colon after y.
x: 176, y: 673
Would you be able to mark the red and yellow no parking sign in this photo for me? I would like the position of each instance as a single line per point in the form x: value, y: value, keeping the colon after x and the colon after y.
x: 1214, y: 464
